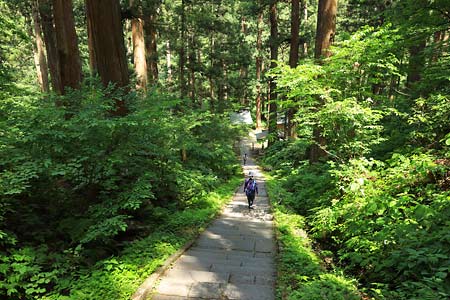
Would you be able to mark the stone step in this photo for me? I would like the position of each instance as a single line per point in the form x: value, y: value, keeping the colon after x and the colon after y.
x: 249, y: 292
x: 208, y: 290
x: 234, y: 258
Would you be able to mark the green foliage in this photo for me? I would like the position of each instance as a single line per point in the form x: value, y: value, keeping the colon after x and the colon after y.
x: 383, y: 221
x: 119, y: 276
x: 301, y: 273
x: 91, y: 182
x: 391, y: 217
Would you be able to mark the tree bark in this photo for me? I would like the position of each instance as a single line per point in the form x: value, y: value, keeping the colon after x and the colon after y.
x: 221, y: 93
x: 151, y: 46
x: 182, y: 50
x: 67, y: 45
x: 273, y: 58
x: 139, y: 59
x: 46, y: 13
x: 243, y: 72
x: 106, y: 45
x: 258, y: 70
x: 326, y: 27
x: 295, y: 29
x: 212, y: 44
x: 305, y: 20
x: 293, y: 60
x: 39, y: 57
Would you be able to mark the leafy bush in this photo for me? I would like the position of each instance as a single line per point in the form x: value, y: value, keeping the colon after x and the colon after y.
x: 91, y: 182
x: 301, y: 273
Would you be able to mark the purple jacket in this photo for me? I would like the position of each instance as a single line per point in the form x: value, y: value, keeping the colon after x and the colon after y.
x: 247, y: 182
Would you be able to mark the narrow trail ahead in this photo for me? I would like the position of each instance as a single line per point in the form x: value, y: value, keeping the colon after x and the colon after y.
x: 234, y: 258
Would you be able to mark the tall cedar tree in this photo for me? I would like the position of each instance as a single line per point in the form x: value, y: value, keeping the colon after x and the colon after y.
x: 46, y: 14
x: 39, y: 57
x: 67, y: 45
x: 326, y: 29
x: 293, y: 58
x: 258, y: 69
x: 139, y: 56
x: 151, y: 45
x: 106, y: 45
x: 273, y: 58
x: 182, y: 49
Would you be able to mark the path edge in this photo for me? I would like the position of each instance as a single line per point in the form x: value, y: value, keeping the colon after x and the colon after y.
x: 147, y: 286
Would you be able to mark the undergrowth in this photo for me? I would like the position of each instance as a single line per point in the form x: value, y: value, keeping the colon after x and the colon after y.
x: 302, y: 272
x: 119, y: 276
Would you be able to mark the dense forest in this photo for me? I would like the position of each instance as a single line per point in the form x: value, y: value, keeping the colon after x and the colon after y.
x: 116, y: 145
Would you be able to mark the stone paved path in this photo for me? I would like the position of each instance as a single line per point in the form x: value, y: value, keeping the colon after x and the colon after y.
x: 232, y: 259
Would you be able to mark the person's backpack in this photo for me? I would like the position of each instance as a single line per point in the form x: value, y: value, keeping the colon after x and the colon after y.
x: 251, y: 187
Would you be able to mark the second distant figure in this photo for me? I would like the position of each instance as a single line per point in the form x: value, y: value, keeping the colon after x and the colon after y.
x: 245, y: 158
x: 250, y: 189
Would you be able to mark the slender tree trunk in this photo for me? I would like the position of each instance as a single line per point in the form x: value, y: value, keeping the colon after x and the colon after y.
x: 168, y: 62
x: 243, y: 72
x: 107, y: 45
x: 258, y: 70
x: 200, y: 93
x: 151, y: 47
x: 140, y: 62
x: 46, y: 13
x: 295, y: 29
x: 221, y: 93
x: 326, y: 27
x: 39, y: 50
x: 182, y: 49
x: 191, y: 58
x: 293, y: 61
x: 67, y: 45
x: 273, y: 58
x: 212, y: 44
x: 305, y: 21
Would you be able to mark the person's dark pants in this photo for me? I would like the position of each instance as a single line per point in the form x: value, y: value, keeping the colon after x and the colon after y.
x: 250, y: 199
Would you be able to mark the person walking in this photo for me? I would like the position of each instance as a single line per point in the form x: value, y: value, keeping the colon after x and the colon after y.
x: 245, y: 158
x: 250, y: 189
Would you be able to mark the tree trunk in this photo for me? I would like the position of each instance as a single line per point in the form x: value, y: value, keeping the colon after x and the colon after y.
x: 293, y: 61
x: 258, y: 70
x: 305, y: 21
x: 192, y: 63
x: 212, y: 96
x: 139, y: 59
x: 151, y: 47
x: 168, y: 62
x: 243, y: 72
x: 46, y: 13
x: 67, y: 45
x: 182, y: 50
x: 295, y: 38
x: 221, y: 93
x: 416, y: 62
x: 326, y: 27
x: 106, y: 45
x: 39, y: 51
x: 273, y: 58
